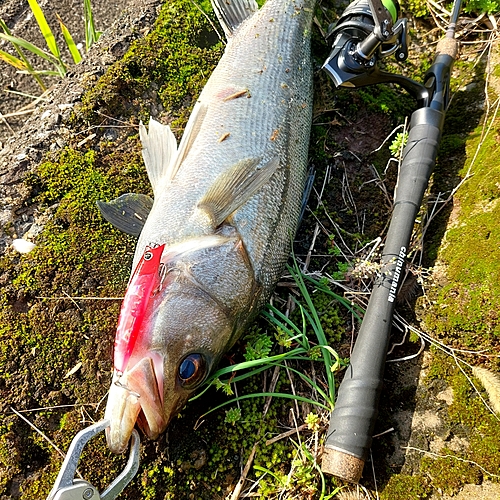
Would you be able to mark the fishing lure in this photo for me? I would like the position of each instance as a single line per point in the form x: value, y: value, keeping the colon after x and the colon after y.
x: 144, y: 283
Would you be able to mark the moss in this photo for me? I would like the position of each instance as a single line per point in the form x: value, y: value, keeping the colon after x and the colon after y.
x: 466, y: 305
x: 464, y: 311
x: 404, y: 487
x: 461, y: 311
x: 450, y: 474
x: 417, y: 8
x: 447, y: 469
x: 10, y: 456
x: 385, y: 99
x: 469, y: 411
x: 41, y: 327
x: 161, y: 72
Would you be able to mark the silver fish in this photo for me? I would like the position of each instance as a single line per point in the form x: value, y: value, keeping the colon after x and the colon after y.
x: 226, y: 207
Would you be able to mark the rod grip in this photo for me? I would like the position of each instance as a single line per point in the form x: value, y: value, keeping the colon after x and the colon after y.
x: 419, y: 158
x: 352, y: 422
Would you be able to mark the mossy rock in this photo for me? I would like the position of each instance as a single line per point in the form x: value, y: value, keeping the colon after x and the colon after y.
x: 466, y: 304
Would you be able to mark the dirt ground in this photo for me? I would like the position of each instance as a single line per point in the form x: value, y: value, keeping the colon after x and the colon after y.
x: 19, y: 18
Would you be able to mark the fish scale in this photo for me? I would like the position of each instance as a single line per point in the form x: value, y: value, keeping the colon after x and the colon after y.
x: 251, y: 122
x: 226, y: 207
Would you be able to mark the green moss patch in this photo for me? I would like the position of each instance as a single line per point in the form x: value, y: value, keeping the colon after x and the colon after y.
x: 403, y: 487
x: 160, y: 73
x: 466, y: 307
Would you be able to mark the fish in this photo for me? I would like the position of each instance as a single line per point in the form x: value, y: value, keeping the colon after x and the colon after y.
x: 215, y: 238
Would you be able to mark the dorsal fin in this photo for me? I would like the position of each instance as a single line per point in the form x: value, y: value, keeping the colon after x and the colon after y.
x: 236, y: 186
x: 192, y: 129
x: 232, y: 13
x: 128, y: 213
x: 159, y: 150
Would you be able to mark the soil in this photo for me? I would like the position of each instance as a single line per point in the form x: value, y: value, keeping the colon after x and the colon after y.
x: 21, y: 22
x: 25, y: 138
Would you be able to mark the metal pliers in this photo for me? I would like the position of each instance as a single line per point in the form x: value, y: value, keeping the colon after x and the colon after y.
x: 67, y: 487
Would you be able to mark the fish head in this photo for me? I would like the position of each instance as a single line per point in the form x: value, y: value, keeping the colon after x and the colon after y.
x: 184, y: 334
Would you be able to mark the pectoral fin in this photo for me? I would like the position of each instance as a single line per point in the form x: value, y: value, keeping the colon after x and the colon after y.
x: 236, y: 186
x: 128, y: 213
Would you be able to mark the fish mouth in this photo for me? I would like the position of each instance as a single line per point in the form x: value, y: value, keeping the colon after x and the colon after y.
x: 134, y: 397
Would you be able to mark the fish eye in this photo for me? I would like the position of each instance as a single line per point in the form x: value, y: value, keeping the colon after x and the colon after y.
x: 192, y: 370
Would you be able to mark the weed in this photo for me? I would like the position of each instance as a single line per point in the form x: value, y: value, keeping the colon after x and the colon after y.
x: 480, y: 6
x: 53, y: 55
x: 233, y: 415
x: 397, y: 145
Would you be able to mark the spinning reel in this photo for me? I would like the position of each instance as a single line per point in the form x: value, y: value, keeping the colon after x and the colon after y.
x: 368, y: 31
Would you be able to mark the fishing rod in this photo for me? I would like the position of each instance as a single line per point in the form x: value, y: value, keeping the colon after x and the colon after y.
x: 367, y: 31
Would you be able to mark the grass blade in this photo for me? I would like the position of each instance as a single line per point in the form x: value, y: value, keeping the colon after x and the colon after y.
x: 20, y: 42
x: 284, y: 320
x: 75, y: 53
x: 280, y: 480
x: 293, y: 354
x: 329, y: 398
x: 22, y: 57
x: 313, y: 318
x: 13, y: 60
x: 265, y: 395
x: 346, y: 303
x: 256, y: 366
x: 91, y: 34
x: 45, y: 29
x: 320, y: 335
x: 211, y: 381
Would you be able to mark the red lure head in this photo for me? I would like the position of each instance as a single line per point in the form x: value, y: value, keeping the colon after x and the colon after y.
x: 145, y: 279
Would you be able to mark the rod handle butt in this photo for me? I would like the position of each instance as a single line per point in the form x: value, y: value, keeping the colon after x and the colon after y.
x: 342, y: 465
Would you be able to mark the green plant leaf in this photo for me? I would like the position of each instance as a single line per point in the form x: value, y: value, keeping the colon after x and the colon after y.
x: 315, y: 322
x: 264, y: 395
x: 352, y: 307
x: 329, y: 398
x: 285, y: 321
x: 91, y: 34
x: 280, y: 480
x: 54, y: 54
x: 29, y: 46
x: 75, y: 53
x: 22, y: 57
x: 45, y: 28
